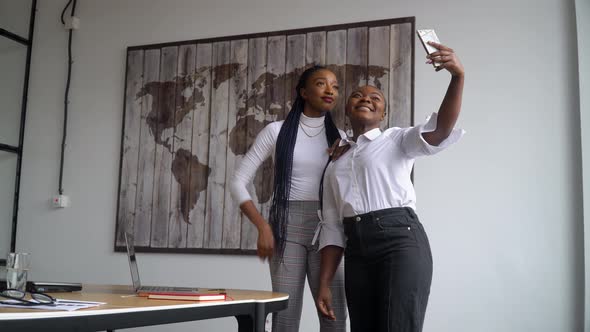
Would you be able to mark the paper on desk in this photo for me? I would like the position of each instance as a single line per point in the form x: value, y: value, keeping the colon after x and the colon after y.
x: 60, y: 304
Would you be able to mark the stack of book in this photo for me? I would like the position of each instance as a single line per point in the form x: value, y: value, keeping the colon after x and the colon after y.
x: 189, y: 296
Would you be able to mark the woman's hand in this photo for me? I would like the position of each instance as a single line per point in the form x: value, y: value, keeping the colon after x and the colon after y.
x: 324, y: 302
x: 266, y: 242
x: 447, y: 59
x: 335, y: 151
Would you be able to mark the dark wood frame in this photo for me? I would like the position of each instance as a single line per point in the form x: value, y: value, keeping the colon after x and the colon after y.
x: 327, y: 28
x: 369, y: 24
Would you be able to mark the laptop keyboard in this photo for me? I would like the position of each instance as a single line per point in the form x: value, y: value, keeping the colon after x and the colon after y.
x: 165, y: 289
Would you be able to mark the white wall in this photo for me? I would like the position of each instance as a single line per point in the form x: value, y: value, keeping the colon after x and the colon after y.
x: 12, y: 59
x: 503, y: 208
x: 7, y: 177
x: 583, y: 30
x: 14, y: 17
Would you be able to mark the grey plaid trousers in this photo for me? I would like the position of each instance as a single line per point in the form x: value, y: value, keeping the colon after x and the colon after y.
x: 301, y: 259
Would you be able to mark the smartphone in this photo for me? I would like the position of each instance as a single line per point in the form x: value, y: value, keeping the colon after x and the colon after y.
x: 425, y: 36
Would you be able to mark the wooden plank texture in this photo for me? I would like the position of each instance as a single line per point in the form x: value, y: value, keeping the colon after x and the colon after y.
x: 356, y: 60
x: 129, y: 162
x: 193, y: 109
x: 232, y: 219
x: 147, y: 148
x: 378, y: 71
x: 256, y: 114
x: 400, y: 86
x: 316, y: 48
x: 275, y: 80
x: 217, y: 145
x: 164, y: 145
x: 182, y: 145
x: 200, y: 146
x: 295, y: 65
x: 336, y: 62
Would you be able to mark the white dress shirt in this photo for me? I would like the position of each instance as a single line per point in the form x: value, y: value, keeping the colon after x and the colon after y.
x: 374, y: 175
x: 309, y: 158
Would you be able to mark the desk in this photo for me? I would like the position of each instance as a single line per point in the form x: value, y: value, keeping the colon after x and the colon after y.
x: 123, y: 310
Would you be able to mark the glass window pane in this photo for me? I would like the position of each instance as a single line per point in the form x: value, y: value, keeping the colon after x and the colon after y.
x: 13, y: 59
x: 15, y: 15
x: 7, y: 178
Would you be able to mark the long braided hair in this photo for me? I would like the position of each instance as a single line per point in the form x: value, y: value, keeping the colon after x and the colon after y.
x: 279, y: 210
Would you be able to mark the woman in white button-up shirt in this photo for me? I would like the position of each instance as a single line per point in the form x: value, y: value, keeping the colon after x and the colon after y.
x: 368, y: 209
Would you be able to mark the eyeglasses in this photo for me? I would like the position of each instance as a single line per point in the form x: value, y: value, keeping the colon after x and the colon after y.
x: 18, y: 295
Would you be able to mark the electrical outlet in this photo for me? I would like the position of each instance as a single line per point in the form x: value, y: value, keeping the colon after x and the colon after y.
x: 61, y: 201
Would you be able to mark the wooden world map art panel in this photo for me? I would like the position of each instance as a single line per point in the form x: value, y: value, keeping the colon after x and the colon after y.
x: 193, y: 109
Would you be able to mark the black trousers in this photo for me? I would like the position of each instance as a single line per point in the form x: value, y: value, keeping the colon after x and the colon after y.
x: 388, y: 271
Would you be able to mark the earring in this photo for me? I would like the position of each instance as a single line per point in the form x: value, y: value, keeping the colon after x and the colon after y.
x: 347, y: 129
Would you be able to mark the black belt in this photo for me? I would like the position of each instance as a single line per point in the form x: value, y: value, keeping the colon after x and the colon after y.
x: 376, y: 215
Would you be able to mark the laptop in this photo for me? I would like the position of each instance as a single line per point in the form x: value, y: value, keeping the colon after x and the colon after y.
x: 147, y: 290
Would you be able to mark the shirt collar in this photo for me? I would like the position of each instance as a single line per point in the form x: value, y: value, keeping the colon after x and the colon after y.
x: 370, y: 135
x: 311, y: 122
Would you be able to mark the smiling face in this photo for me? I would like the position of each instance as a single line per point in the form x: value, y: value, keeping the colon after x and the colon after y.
x: 321, y: 91
x: 366, y: 107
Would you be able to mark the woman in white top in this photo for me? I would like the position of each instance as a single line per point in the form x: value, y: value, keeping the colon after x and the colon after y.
x: 368, y: 209
x: 299, y: 146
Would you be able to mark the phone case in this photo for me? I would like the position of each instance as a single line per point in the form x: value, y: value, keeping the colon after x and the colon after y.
x: 425, y: 36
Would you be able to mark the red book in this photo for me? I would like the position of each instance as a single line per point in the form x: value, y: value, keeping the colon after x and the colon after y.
x: 188, y: 296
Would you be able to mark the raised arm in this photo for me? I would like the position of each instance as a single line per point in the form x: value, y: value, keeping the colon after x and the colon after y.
x: 451, y: 104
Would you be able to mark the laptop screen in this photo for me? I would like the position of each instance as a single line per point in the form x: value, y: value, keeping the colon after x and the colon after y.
x: 132, y: 262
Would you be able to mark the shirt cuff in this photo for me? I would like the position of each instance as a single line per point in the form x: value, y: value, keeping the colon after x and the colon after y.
x: 430, y: 126
x: 329, y: 233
